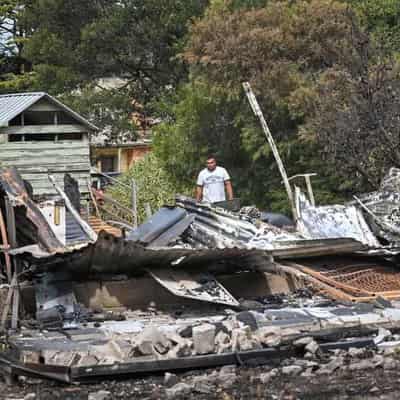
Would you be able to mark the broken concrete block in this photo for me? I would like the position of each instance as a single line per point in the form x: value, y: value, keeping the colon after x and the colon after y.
x: 100, y: 395
x: 269, y: 336
x: 204, y: 339
x: 312, y: 347
x: 170, y: 379
x: 180, y: 389
x: 223, y: 342
x: 267, y: 376
x: 302, y: 342
x: 151, y: 340
x: 87, y: 361
x: 243, y: 340
x: 382, y: 335
x: 331, y: 366
x: 291, y: 370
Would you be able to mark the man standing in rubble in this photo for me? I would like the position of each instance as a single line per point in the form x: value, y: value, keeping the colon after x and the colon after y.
x: 212, y: 183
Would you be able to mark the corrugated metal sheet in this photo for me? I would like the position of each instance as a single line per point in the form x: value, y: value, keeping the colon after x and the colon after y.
x: 74, y: 233
x: 15, y: 103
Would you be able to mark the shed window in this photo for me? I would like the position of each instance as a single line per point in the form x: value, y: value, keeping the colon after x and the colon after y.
x: 44, y: 137
x: 40, y: 137
x: 69, y: 136
x: 39, y: 117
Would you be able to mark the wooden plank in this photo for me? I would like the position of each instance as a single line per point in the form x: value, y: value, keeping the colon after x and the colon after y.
x: 40, y: 129
x: 13, y: 155
x: 65, y: 144
x: 54, y: 168
x: 86, y: 228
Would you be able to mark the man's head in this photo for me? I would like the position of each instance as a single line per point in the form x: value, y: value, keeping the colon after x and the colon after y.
x: 211, y: 163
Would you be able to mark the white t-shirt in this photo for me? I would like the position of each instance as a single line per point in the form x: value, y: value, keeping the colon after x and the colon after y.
x: 213, y: 183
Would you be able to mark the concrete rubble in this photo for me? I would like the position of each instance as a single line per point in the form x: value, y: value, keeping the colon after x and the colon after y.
x: 199, y: 286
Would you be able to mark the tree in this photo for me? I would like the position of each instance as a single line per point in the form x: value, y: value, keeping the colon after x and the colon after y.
x: 154, y: 186
x: 356, y: 115
x: 15, y: 68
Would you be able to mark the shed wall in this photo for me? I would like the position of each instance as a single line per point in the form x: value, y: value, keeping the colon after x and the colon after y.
x: 35, y: 159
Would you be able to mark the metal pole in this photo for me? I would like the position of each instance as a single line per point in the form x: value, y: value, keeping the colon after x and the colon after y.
x: 134, y: 203
x: 309, y: 189
x: 147, y: 209
x: 257, y: 111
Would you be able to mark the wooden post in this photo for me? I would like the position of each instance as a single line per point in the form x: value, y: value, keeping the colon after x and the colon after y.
x: 93, y: 200
x: 12, y: 235
x: 257, y: 111
x: 4, y: 239
x: 7, y: 305
x: 134, y: 203
x: 309, y: 189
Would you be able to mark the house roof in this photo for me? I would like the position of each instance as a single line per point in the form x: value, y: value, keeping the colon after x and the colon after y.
x: 15, y: 103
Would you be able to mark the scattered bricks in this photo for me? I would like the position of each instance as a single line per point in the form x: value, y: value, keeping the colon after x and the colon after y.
x: 204, y: 339
x: 223, y: 342
x: 312, y: 347
x: 180, y: 389
x: 331, y: 366
x: 100, y: 395
x: 30, y: 357
x: 170, y: 379
x: 269, y: 336
x: 64, y: 358
x: 390, y: 363
x: 182, y: 349
x: 267, y: 376
x: 243, y: 340
x: 292, y: 370
x: 186, y: 331
x: 151, y: 340
x: 87, y: 361
x: 302, y: 342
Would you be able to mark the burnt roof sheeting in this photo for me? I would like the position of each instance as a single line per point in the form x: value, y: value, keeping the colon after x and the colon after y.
x: 31, y: 225
x: 112, y: 255
x: 157, y: 224
x: 14, y: 104
x: 336, y: 221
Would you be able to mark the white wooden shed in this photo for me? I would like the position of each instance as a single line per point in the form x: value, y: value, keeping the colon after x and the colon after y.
x: 39, y: 135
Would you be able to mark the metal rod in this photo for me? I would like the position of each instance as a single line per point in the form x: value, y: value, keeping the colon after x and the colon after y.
x: 134, y: 203
x: 257, y: 111
x: 113, y: 179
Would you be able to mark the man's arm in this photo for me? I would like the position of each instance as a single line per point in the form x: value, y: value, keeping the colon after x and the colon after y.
x: 199, y: 193
x: 229, y: 190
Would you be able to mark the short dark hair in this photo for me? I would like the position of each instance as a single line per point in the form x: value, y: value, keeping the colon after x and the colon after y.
x: 211, y: 156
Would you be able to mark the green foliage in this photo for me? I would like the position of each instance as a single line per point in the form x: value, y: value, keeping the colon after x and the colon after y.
x: 381, y: 18
x: 108, y: 109
x: 154, y: 186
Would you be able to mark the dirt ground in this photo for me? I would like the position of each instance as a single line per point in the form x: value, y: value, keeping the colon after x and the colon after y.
x: 366, y: 384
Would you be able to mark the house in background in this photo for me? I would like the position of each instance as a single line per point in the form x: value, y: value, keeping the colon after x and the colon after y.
x: 39, y: 136
x: 116, y: 158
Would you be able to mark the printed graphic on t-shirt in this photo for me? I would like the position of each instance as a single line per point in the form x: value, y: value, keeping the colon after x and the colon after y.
x: 213, y: 183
